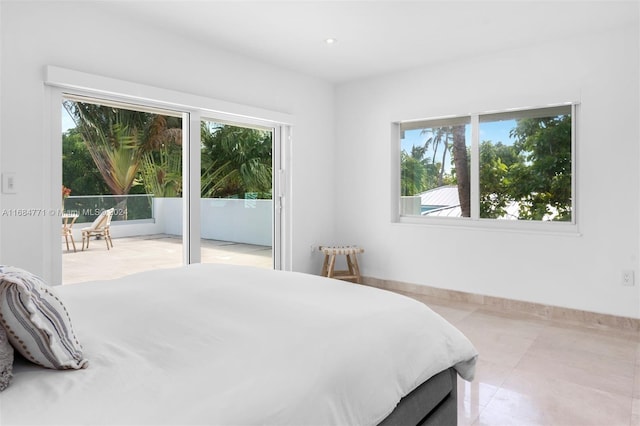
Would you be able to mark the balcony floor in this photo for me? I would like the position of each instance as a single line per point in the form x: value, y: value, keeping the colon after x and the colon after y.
x: 136, y: 254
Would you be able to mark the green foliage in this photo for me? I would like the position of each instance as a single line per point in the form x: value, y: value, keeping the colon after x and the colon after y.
x: 235, y: 161
x: 413, y: 173
x: 161, y: 171
x: 418, y: 173
x: 496, y: 161
x: 546, y: 184
x: 535, y: 172
x: 79, y: 173
x: 132, y: 151
x: 121, y: 151
x: 439, y: 136
x: 161, y: 162
x: 112, y: 137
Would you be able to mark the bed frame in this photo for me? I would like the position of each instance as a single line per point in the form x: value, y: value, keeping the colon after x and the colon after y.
x: 432, y: 403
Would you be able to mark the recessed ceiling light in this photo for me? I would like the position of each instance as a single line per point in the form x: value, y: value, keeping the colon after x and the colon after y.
x: 330, y: 40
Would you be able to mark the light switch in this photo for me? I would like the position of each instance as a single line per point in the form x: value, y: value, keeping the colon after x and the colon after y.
x: 9, y: 183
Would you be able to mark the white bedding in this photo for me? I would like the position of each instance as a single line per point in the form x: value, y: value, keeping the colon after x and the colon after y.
x: 220, y: 344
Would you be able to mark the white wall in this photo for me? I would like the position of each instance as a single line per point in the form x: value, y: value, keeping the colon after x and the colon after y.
x: 84, y: 36
x: 1, y: 49
x: 583, y: 272
x: 223, y: 219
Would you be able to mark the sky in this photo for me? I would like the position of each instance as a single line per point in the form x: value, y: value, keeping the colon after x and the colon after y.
x: 495, y: 131
x: 67, y: 121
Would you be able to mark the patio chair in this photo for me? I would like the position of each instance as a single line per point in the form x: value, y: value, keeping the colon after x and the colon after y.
x: 99, y: 228
x: 66, y: 228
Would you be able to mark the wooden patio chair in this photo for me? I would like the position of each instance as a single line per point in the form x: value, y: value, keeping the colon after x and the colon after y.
x: 66, y: 229
x: 99, y: 228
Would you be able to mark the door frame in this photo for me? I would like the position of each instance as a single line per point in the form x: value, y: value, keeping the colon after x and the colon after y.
x: 60, y: 82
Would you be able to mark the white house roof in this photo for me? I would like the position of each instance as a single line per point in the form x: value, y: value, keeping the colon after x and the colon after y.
x: 443, y: 196
x: 451, y: 211
x: 444, y: 202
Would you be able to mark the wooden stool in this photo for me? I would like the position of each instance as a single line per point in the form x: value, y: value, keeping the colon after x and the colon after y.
x: 328, y: 267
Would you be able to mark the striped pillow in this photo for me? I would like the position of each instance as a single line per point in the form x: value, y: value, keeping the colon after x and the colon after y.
x: 6, y: 360
x: 37, y: 323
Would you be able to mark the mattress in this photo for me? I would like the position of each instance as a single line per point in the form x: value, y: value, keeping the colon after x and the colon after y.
x: 434, y: 402
x: 232, y: 345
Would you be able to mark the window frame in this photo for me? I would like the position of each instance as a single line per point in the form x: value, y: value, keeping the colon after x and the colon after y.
x: 475, y: 221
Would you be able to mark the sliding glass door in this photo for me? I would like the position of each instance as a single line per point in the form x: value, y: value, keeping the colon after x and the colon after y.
x: 236, y: 206
x: 182, y: 189
x: 122, y: 207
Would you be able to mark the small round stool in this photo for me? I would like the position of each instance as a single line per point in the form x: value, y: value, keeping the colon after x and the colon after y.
x: 328, y: 267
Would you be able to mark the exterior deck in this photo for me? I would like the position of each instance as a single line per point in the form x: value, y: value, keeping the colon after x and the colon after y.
x: 136, y: 254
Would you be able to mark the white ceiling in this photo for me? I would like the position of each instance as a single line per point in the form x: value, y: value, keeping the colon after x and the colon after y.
x: 374, y: 37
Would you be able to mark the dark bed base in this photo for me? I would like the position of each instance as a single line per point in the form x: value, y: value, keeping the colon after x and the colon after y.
x: 432, y: 403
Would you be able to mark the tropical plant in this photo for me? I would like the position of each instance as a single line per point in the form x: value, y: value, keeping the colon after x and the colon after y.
x: 78, y: 171
x: 439, y: 136
x: 161, y: 171
x: 495, y: 162
x: 235, y: 161
x: 112, y: 137
x: 161, y: 162
x: 420, y: 173
x: 461, y: 164
x: 136, y: 149
x: 413, y: 172
x: 533, y: 174
x: 542, y: 182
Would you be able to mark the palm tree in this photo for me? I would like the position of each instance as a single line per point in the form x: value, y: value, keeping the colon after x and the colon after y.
x: 135, y: 148
x: 112, y: 136
x: 461, y: 164
x: 452, y: 138
x: 161, y: 171
x: 235, y: 161
x: 439, y: 135
x: 120, y: 141
x: 161, y: 161
x: 413, y: 174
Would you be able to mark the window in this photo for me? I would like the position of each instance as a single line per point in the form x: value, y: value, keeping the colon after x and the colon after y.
x: 514, y: 165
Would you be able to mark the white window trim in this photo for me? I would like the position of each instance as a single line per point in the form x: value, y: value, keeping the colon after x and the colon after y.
x: 475, y: 222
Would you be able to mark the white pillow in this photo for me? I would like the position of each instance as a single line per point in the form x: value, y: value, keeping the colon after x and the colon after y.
x: 6, y: 360
x: 36, y: 321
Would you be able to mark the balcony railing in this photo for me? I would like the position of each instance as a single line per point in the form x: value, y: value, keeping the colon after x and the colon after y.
x: 126, y: 207
x: 247, y: 221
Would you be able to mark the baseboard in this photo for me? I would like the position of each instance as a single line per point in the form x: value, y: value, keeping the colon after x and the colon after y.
x: 540, y: 311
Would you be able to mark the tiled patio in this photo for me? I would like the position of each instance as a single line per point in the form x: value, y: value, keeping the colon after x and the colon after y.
x: 136, y: 254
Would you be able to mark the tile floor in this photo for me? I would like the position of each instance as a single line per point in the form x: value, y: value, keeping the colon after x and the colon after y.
x: 538, y: 372
x: 530, y: 371
x: 136, y: 254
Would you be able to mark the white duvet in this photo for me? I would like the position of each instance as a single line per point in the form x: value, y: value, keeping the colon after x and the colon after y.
x: 229, y: 345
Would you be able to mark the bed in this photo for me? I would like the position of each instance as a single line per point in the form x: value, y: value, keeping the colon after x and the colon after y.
x: 233, y: 345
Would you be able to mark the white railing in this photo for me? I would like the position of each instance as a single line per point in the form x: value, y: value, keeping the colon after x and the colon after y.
x: 127, y: 207
x: 224, y: 219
